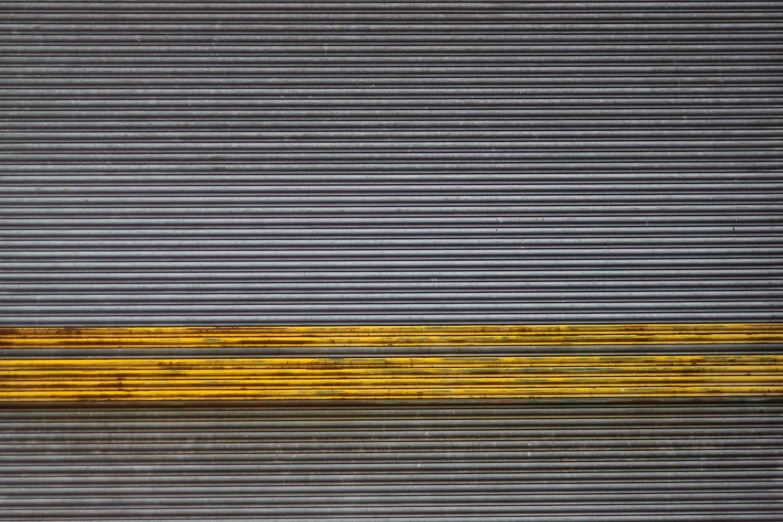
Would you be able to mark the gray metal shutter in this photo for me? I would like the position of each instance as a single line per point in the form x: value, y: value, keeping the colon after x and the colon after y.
x: 551, y: 463
x: 340, y: 162
x: 384, y: 163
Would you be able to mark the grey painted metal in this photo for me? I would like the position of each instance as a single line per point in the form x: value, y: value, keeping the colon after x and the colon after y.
x: 552, y: 463
x: 368, y: 162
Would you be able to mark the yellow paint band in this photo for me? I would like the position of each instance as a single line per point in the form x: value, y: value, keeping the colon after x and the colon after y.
x: 379, y: 378
x: 266, y: 378
x: 423, y: 336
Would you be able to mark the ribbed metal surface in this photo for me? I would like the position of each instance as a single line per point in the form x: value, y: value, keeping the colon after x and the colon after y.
x: 381, y: 363
x: 338, y: 162
x: 556, y: 463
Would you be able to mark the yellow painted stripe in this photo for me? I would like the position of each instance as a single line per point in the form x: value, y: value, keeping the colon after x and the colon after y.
x: 373, y: 378
x: 29, y: 380
x: 456, y: 335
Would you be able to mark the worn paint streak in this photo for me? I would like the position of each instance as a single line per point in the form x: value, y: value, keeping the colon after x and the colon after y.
x: 456, y: 335
x: 25, y: 380
x: 377, y: 378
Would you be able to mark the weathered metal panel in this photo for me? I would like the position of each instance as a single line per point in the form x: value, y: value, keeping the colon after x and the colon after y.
x: 364, y: 162
x: 552, y: 463
x: 259, y: 163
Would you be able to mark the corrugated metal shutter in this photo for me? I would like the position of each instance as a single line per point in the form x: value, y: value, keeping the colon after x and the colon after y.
x: 339, y: 162
x: 552, y: 463
x: 387, y: 163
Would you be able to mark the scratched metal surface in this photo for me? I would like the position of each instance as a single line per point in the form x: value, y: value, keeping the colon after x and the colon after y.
x: 339, y: 162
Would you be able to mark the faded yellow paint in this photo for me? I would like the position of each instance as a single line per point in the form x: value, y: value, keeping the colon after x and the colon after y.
x: 454, y: 335
x: 25, y: 380
x: 380, y: 378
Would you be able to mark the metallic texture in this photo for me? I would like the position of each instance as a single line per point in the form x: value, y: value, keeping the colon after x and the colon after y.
x: 272, y: 163
x: 424, y: 336
x: 385, y: 378
x: 548, y: 463
x: 217, y: 162
x: 110, y: 364
x: 524, y: 372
